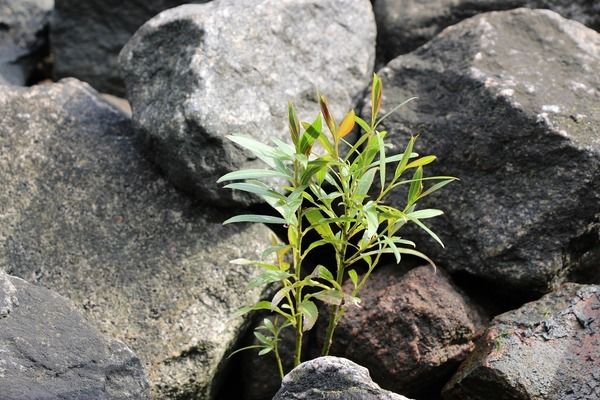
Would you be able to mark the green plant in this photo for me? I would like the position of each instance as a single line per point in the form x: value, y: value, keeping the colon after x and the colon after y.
x: 331, y: 192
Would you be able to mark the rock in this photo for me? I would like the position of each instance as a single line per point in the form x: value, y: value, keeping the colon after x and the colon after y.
x: 234, y: 74
x: 8, y: 298
x: 331, y: 378
x: 49, y: 351
x: 23, y: 38
x: 87, y: 36
x: 507, y: 101
x: 404, y: 25
x: 411, y: 331
x: 547, y: 349
x: 85, y: 214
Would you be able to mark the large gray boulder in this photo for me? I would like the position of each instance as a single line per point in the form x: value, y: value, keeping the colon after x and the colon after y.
x: 87, y: 36
x: 548, y: 349
x: 404, y: 25
x: 508, y: 103
x: 331, y: 378
x: 83, y: 213
x: 234, y: 73
x: 8, y: 298
x: 23, y: 38
x: 411, y: 331
x: 49, y: 351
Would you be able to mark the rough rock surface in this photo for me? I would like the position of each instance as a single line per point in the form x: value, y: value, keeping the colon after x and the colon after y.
x: 331, y: 378
x: 404, y: 25
x: 412, y: 330
x: 508, y: 102
x: 23, y: 28
x: 49, y: 351
x: 86, y: 215
x: 8, y: 298
x: 547, y: 349
x: 87, y: 36
x: 234, y: 74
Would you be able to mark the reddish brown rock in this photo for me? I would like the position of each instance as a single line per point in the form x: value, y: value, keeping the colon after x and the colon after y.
x: 411, y: 331
x: 548, y: 349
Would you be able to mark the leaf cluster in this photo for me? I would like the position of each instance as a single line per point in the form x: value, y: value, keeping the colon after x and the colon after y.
x: 338, y: 191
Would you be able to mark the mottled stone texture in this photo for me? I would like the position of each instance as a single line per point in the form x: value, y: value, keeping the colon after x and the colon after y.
x: 23, y: 37
x: 546, y: 350
x: 411, y: 331
x: 331, y: 378
x: 404, y: 25
x: 87, y: 35
x: 8, y: 298
x: 85, y: 214
x: 508, y: 101
x: 234, y: 73
x: 49, y: 351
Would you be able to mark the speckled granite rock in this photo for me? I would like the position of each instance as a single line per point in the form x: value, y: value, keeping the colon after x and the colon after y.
x: 546, y: 350
x: 86, y: 37
x: 411, y: 331
x: 8, y: 298
x: 49, y: 351
x: 404, y: 25
x: 23, y: 36
x: 331, y: 378
x: 234, y: 73
x: 85, y: 214
x: 508, y: 103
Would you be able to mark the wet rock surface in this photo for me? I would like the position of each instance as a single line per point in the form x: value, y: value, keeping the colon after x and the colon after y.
x: 88, y: 35
x: 332, y: 378
x: 23, y: 37
x: 507, y: 102
x: 234, y: 74
x: 547, y: 349
x: 85, y: 214
x: 404, y: 25
x: 411, y: 331
x: 49, y: 351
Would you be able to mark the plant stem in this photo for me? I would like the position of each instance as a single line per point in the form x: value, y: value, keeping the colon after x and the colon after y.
x: 298, y: 273
x: 279, y: 364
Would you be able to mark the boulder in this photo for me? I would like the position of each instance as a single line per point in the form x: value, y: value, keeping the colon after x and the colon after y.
x: 404, y: 25
x: 85, y: 214
x: 49, y: 351
x: 86, y: 37
x: 23, y: 38
x: 331, y: 378
x: 411, y: 331
x: 547, y: 349
x: 508, y: 103
x: 234, y: 73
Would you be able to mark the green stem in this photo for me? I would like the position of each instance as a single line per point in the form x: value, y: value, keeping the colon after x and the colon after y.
x: 298, y: 276
x: 279, y: 363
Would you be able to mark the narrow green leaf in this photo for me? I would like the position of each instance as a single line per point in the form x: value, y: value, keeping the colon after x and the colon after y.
x: 324, y: 273
x: 331, y: 296
x: 310, y: 313
x: 294, y: 125
x: 380, y: 136
x: 416, y: 254
x: 252, y: 174
x: 280, y: 295
x: 264, y: 219
x: 426, y: 229
x: 364, y: 183
x: 421, y: 162
x: 372, y: 220
x: 436, y: 187
x: 394, y: 248
x: 426, y: 213
x: 263, y: 151
x: 353, y: 277
x: 262, y: 338
x: 255, y: 187
x: 405, y: 157
x: 309, y: 136
x: 316, y: 220
x: 415, y: 187
x: 264, y: 351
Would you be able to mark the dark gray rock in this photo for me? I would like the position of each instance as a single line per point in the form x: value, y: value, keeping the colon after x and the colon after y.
x: 508, y: 103
x: 49, y: 351
x: 331, y: 378
x: 23, y: 37
x: 234, y: 74
x: 404, y: 25
x: 87, y: 36
x: 411, y: 331
x: 547, y: 349
x: 85, y: 214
